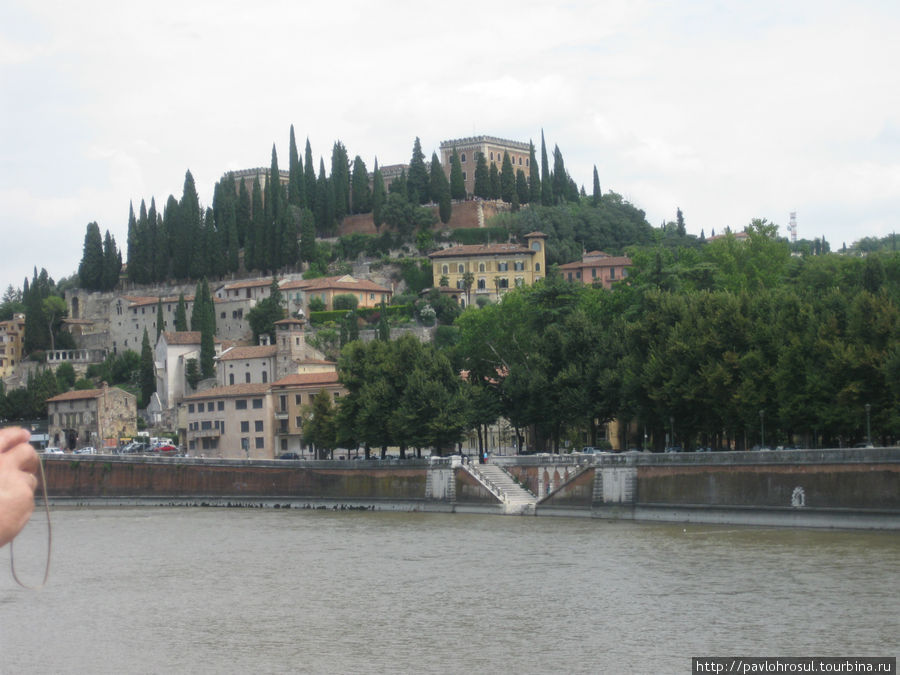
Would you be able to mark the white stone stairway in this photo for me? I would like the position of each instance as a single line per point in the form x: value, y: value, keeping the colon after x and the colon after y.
x: 516, y: 499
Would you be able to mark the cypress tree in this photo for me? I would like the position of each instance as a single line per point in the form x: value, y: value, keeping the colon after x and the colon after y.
x: 307, y: 236
x: 361, y: 194
x: 181, y: 324
x: 482, y: 177
x: 90, y: 270
x: 417, y: 181
x: 546, y: 182
x: 534, y: 177
x: 112, y: 263
x: 147, y: 371
x: 188, y: 241
x: 255, y: 247
x: 440, y: 188
x: 274, y: 212
x: 560, y: 177
x: 320, y: 209
x: 243, y: 215
x: 172, y: 223
x: 378, y: 196
x: 507, y: 179
x: 160, y: 255
x: 132, y: 244
x: 340, y: 181
x: 522, y: 191
x: 309, y: 177
x: 494, y: 181
x: 160, y: 319
x: 595, y: 197
x: 290, y: 250
x: 295, y: 176
x: 457, y: 182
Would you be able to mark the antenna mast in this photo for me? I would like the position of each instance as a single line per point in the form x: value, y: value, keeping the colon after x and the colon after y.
x: 792, y: 227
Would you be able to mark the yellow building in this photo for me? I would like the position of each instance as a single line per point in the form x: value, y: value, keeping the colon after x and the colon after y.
x: 492, y: 268
x: 12, y: 339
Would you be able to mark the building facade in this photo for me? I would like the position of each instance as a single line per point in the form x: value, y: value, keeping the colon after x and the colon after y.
x: 492, y: 148
x: 233, y: 422
x: 367, y: 293
x: 95, y: 417
x: 246, y: 365
x: 12, y: 340
x: 494, y: 268
x: 290, y: 396
x: 597, y: 268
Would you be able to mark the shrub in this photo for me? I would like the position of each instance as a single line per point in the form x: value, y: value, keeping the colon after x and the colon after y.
x: 345, y: 301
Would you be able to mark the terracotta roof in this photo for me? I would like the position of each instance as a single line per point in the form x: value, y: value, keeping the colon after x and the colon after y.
x: 185, y: 337
x: 138, y: 301
x: 344, y: 283
x: 289, y: 321
x: 83, y: 394
x: 253, y: 389
x: 619, y: 261
x: 253, y: 283
x: 256, y: 352
x: 469, y: 250
x: 535, y: 234
x: 300, y: 379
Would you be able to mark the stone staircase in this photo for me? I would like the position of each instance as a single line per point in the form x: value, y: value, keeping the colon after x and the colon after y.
x: 516, y: 499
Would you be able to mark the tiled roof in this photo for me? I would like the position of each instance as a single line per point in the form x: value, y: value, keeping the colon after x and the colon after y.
x: 253, y: 389
x: 300, y: 379
x: 469, y: 250
x: 253, y: 283
x: 535, y: 234
x: 184, y: 337
x: 256, y: 352
x: 609, y: 261
x: 343, y: 283
x: 84, y: 394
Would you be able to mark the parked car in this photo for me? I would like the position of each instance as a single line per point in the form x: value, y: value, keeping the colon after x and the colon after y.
x: 288, y: 455
x: 167, y: 450
x: 86, y: 450
x: 53, y: 451
x: 674, y: 448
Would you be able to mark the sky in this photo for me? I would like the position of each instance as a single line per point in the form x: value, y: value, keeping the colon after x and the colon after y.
x: 727, y: 110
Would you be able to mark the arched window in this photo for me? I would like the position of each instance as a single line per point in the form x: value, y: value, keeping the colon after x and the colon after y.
x: 231, y: 378
x: 462, y: 158
x: 265, y: 377
x: 537, y: 267
x: 536, y: 246
x: 481, y: 284
x: 445, y: 269
x: 481, y: 267
x: 461, y: 269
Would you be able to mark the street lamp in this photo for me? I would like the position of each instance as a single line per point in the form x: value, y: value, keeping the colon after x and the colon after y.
x: 672, y: 427
x: 762, y: 428
x: 868, y: 425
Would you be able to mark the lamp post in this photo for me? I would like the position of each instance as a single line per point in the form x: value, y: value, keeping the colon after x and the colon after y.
x: 672, y: 427
x: 762, y: 428
x: 868, y: 424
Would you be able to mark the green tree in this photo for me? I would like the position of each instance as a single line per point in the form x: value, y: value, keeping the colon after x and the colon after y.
x: 320, y: 424
x: 160, y: 319
x: 534, y: 176
x: 457, y: 182
x: 296, y: 184
x: 262, y: 318
x: 361, y: 194
x: 546, y: 178
x: 54, y: 310
x: 440, y: 189
x: 65, y: 376
x: 309, y: 177
x: 112, y: 263
x: 181, y: 323
x: 417, y: 182
x: 340, y: 181
x: 378, y: 197
x: 90, y: 270
x: 494, y: 181
x: 522, y: 192
x: 595, y: 197
x: 482, y: 177
x: 507, y: 179
x: 148, y: 371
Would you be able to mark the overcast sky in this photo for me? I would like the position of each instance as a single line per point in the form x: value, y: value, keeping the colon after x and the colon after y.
x: 728, y: 110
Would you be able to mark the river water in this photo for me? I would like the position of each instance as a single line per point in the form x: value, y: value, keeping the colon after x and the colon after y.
x: 214, y: 590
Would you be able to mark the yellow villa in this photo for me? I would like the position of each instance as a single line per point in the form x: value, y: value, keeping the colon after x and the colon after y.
x: 491, y: 268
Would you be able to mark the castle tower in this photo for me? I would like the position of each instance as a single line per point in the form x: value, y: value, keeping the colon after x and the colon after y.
x: 290, y: 338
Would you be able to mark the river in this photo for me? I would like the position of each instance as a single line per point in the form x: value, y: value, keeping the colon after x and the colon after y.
x: 216, y: 590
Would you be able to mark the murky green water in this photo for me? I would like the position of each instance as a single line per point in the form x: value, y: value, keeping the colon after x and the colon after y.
x: 188, y: 590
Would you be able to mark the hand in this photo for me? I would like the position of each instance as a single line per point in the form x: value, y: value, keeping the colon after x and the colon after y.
x: 18, y: 480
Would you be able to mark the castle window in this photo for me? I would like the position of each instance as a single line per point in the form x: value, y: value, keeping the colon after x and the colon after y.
x: 462, y: 158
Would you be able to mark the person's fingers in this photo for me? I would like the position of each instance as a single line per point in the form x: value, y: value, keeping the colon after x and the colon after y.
x: 10, y: 437
x: 27, y: 458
